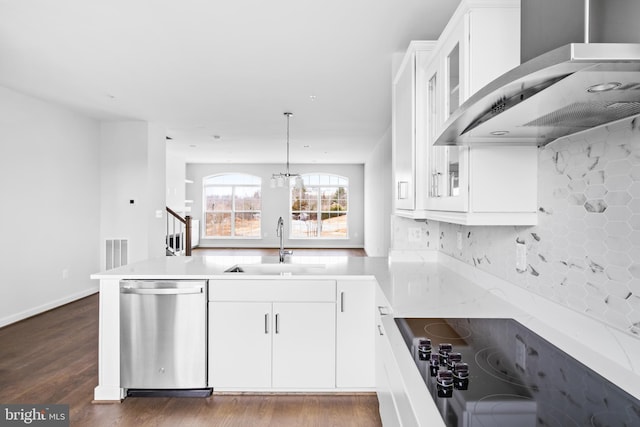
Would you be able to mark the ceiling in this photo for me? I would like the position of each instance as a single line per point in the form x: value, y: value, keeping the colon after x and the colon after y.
x: 220, y: 74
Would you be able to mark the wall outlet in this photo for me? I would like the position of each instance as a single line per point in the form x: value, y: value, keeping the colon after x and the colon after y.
x: 415, y: 234
x: 521, y: 257
x: 65, y: 273
x: 459, y: 240
x: 521, y: 354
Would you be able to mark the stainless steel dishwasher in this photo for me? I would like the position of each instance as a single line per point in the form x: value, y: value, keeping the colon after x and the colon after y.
x: 163, y: 337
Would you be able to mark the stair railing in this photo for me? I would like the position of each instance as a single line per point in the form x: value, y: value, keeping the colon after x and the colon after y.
x: 178, y: 243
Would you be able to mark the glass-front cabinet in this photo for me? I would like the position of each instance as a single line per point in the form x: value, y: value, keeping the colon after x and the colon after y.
x: 441, y: 93
x: 448, y: 173
x: 409, y: 141
x: 488, y: 185
x: 452, y: 84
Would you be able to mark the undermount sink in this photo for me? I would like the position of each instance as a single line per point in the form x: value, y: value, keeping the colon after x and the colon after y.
x: 283, y: 269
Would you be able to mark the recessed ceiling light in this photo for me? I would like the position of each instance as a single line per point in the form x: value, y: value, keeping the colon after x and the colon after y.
x: 603, y: 87
x: 306, y: 146
x: 217, y: 137
x: 313, y: 97
x: 500, y: 132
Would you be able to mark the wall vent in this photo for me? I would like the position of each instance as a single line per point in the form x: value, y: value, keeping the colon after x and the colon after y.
x: 116, y: 253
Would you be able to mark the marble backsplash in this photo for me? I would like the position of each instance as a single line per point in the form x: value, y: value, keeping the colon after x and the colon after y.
x: 585, y: 251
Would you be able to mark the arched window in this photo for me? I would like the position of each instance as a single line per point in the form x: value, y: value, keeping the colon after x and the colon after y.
x: 232, y: 205
x: 320, y: 207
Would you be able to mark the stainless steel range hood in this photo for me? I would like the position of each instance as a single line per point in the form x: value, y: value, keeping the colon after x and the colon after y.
x: 569, y: 89
x: 573, y: 88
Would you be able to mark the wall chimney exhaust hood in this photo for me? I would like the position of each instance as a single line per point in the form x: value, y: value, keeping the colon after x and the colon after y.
x: 569, y: 89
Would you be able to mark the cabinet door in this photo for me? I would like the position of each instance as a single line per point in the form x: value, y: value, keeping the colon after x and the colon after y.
x: 304, y: 345
x: 448, y: 186
x: 446, y: 180
x: 424, y: 127
x: 403, y: 136
x: 386, y: 405
x: 433, y: 112
x: 355, y: 334
x: 240, y: 344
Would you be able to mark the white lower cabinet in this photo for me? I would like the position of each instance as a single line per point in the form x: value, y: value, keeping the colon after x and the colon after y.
x: 386, y: 403
x: 292, y: 334
x: 355, y: 358
x: 264, y: 335
x: 240, y: 344
x: 393, y: 404
x: 304, y: 345
x: 403, y: 397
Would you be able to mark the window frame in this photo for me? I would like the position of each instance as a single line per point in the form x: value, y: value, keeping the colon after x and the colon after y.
x: 233, y: 212
x: 320, y: 188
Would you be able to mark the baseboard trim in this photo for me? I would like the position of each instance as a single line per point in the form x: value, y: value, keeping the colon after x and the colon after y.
x: 5, y: 321
x: 295, y: 393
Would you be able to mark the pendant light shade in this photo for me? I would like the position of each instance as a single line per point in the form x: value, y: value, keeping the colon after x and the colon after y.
x: 279, y: 179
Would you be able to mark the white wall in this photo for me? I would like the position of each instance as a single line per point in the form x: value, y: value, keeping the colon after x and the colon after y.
x: 176, y: 175
x: 156, y: 213
x: 49, y: 175
x: 378, y: 198
x: 275, y: 203
x: 132, y: 167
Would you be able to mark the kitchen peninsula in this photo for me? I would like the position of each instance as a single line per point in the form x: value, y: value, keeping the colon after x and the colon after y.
x: 423, y: 285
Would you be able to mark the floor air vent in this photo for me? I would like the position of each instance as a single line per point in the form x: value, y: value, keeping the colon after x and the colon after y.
x: 116, y: 253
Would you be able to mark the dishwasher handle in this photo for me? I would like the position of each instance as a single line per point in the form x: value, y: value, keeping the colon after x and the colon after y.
x: 162, y: 291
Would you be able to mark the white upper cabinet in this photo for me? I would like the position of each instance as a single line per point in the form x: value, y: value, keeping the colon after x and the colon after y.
x: 408, y: 129
x: 489, y: 185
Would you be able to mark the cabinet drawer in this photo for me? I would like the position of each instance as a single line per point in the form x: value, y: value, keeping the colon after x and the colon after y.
x: 272, y: 290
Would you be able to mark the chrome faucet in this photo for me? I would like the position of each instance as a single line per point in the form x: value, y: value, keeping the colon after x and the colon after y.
x: 280, y: 233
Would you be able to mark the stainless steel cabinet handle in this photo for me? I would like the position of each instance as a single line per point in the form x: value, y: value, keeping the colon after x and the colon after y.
x: 266, y: 323
x: 432, y: 188
x: 277, y: 323
x: 380, y: 331
x: 341, y: 302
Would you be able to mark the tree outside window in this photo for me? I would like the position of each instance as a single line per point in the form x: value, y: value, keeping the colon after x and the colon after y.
x: 319, y: 208
x: 233, y: 204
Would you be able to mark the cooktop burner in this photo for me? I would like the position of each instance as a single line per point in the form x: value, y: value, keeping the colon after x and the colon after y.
x: 496, y: 372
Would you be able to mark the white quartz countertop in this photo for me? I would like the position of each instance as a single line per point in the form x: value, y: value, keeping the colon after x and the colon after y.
x: 207, y: 267
x: 414, y: 289
x: 443, y: 287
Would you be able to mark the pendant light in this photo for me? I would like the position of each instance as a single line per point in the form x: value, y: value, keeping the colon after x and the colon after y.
x: 279, y: 179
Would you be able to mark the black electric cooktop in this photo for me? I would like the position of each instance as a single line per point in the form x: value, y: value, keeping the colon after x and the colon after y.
x: 497, y: 373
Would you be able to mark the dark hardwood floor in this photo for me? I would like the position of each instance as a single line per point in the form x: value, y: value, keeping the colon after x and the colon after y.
x: 52, y: 358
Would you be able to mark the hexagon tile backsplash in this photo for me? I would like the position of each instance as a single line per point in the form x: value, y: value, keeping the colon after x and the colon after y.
x: 585, y: 251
